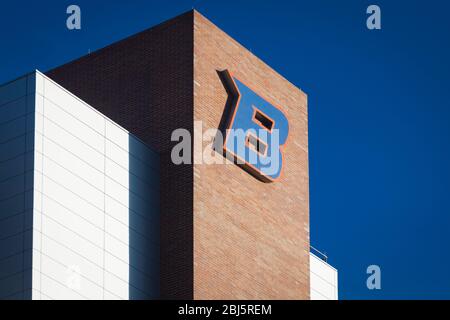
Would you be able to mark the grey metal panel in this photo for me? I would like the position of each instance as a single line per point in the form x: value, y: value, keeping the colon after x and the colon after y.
x: 13, y: 90
x: 13, y: 110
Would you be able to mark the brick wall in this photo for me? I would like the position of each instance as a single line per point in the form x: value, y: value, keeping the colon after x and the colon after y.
x: 251, y: 239
x: 224, y: 234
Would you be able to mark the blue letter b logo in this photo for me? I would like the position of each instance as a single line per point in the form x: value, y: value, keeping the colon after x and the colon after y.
x: 255, y: 132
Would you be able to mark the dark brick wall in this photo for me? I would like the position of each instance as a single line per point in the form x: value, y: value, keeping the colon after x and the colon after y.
x: 144, y: 83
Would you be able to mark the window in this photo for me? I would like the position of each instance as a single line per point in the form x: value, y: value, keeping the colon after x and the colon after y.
x: 256, y: 144
x: 262, y: 120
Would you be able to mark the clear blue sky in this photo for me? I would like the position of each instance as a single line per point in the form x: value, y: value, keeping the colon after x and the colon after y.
x: 379, y: 114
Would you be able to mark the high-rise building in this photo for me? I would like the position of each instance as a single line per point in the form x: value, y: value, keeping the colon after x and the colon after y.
x: 93, y: 206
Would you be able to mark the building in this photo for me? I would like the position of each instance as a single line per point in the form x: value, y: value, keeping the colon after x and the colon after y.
x: 80, y: 199
x: 323, y: 277
x: 103, y: 212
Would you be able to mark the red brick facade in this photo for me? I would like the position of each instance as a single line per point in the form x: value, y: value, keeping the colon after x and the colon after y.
x: 251, y: 239
x: 224, y: 234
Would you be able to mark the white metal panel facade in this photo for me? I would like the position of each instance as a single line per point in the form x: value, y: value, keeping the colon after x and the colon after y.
x: 93, y: 209
x: 324, y: 279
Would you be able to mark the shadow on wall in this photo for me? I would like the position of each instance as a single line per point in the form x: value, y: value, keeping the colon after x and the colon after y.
x: 16, y: 189
x: 144, y: 222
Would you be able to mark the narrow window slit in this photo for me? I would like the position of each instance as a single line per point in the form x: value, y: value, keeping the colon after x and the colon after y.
x: 263, y: 120
x: 256, y: 144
